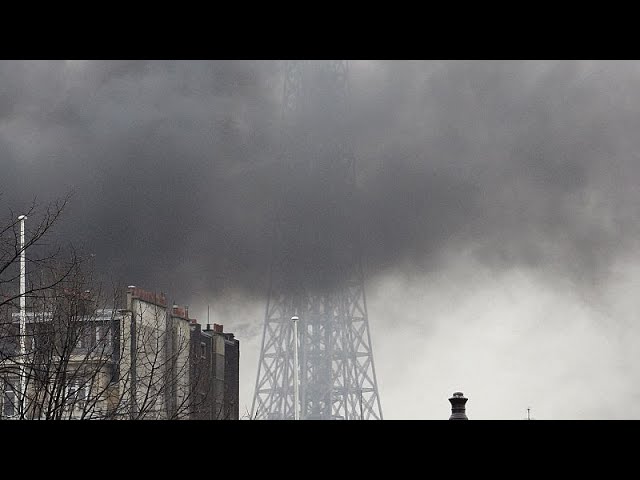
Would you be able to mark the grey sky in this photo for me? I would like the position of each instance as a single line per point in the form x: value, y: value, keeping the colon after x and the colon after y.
x: 499, y: 202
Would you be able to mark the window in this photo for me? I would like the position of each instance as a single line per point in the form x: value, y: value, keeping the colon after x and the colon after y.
x: 81, y: 395
x: 203, y: 350
x: 108, y: 335
x: 103, y: 336
x: 9, y: 401
x: 76, y: 396
x: 30, y: 341
x: 84, y: 340
x: 80, y: 333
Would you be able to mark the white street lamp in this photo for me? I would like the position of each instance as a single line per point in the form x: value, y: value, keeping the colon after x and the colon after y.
x: 296, y: 412
x: 23, y: 315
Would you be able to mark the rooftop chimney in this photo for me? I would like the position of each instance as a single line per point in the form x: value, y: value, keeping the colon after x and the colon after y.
x: 457, y: 406
x: 130, y: 292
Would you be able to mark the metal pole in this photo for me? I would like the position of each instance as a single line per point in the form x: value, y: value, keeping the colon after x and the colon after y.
x: 296, y: 413
x: 23, y: 317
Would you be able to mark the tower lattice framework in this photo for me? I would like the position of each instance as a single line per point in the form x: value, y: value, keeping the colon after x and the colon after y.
x: 316, y: 269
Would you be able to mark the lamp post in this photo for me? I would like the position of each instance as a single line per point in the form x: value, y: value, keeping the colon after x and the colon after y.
x: 23, y: 317
x: 296, y: 413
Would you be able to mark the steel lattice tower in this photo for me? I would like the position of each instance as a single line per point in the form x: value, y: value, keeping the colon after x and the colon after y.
x: 316, y: 271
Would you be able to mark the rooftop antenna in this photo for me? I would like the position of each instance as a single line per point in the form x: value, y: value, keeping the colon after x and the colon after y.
x: 528, y: 413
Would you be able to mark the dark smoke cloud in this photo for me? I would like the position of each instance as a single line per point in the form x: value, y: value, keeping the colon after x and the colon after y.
x: 176, y: 169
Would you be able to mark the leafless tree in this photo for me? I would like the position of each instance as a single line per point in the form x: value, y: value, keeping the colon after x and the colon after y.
x: 41, y: 221
x: 90, y: 352
x: 51, y: 266
x: 88, y: 359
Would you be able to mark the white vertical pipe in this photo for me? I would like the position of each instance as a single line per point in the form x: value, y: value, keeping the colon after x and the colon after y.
x: 296, y: 412
x: 23, y: 315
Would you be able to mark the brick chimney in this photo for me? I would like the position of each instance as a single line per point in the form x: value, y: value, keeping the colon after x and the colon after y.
x: 458, y: 401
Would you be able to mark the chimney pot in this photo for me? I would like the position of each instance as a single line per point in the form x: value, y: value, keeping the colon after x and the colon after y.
x: 458, y: 411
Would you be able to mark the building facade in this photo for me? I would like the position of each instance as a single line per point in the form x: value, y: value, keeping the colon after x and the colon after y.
x: 216, y: 373
x: 231, y: 377
x: 154, y: 364
x: 66, y: 367
x: 147, y: 360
